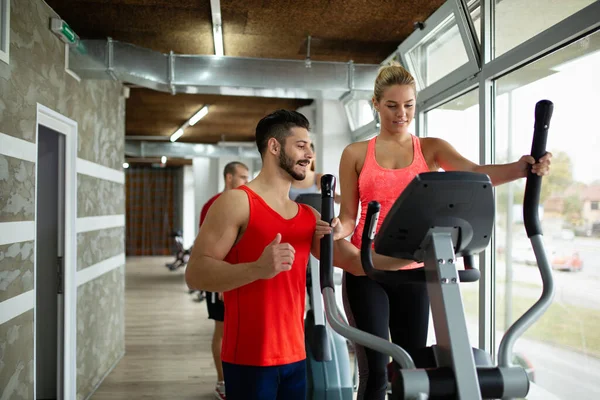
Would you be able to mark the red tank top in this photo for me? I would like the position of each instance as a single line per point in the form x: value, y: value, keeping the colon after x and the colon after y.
x: 384, y: 185
x: 264, y: 320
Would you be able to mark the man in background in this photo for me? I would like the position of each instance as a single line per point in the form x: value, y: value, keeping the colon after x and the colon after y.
x: 235, y: 174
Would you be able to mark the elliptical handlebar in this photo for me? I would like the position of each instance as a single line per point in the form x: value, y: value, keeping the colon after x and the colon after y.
x: 469, y: 274
x: 543, y: 114
x: 326, y: 261
x: 411, y: 275
x: 334, y: 317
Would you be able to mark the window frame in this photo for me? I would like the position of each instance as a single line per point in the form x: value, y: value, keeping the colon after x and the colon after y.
x: 468, y: 69
x: 458, y: 82
x: 5, y: 31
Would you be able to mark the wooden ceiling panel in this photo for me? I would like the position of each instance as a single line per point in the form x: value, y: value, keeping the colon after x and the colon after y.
x: 182, y: 26
x: 341, y: 30
x: 365, y: 31
x: 153, y: 113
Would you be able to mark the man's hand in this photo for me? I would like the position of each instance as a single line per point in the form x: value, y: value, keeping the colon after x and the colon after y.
x: 276, y: 257
x: 541, y: 168
x: 323, y: 228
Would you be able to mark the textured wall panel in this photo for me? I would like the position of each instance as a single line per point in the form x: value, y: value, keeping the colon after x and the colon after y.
x: 16, y: 358
x: 100, y: 328
x: 16, y: 269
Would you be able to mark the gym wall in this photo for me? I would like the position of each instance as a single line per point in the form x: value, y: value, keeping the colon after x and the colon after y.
x: 36, y: 74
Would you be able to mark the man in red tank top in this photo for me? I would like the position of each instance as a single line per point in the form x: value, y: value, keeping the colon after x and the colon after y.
x: 254, y: 246
x: 235, y: 174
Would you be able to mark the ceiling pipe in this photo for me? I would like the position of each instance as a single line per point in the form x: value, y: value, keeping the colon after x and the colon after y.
x: 173, y: 73
x: 145, y: 149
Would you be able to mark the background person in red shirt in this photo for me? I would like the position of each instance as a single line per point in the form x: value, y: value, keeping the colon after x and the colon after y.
x: 254, y: 246
x: 235, y: 175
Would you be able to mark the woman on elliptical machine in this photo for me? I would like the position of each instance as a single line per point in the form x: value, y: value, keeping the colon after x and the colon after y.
x: 380, y: 169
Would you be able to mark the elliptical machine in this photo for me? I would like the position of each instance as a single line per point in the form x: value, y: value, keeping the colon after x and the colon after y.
x: 182, y: 256
x: 327, y: 358
x: 441, y: 216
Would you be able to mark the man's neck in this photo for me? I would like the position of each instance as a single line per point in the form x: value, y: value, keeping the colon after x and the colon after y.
x: 274, y: 182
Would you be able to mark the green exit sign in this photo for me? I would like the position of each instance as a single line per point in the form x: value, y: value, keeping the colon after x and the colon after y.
x: 63, y: 31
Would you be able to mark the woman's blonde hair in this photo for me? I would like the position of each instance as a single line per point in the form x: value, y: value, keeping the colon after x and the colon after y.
x: 393, y: 74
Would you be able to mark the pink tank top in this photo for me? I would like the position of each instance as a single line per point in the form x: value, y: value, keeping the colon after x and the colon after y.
x: 384, y: 185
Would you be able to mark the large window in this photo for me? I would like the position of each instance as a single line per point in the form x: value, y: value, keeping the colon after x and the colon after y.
x: 441, y: 52
x: 519, y: 20
x: 359, y: 112
x: 358, y: 106
x: 563, y: 348
x: 457, y: 122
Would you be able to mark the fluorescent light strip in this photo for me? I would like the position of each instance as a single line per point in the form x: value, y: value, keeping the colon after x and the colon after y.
x: 218, y: 39
x: 191, y: 122
x: 176, y: 135
x: 217, y: 23
x: 198, y: 116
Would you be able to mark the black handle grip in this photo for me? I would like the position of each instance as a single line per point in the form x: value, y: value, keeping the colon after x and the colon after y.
x: 320, y: 344
x: 390, y: 278
x: 326, y: 259
x: 367, y: 240
x: 543, y: 114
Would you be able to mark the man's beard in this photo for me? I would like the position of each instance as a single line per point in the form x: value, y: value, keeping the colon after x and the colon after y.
x: 287, y: 164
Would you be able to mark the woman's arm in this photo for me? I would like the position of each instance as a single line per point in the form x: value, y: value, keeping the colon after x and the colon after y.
x: 349, y: 191
x: 447, y: 158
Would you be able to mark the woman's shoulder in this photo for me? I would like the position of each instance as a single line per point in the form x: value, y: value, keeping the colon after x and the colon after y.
x: 430, y: 144
x: 357, y: 149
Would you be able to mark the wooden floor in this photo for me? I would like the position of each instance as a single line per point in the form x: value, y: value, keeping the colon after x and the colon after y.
x: 167, y: 338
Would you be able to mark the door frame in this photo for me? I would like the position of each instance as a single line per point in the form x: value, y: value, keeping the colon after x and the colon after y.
x: 68, y: 128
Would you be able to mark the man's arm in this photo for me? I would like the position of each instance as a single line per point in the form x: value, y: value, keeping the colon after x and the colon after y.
x: 346, y: 256
x: 206, y: 269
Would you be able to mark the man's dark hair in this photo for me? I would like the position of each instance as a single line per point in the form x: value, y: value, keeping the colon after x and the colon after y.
x: 230, y: 168
x: 278, y: 125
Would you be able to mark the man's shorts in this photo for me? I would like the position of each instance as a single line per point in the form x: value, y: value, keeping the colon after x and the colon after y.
x: 216, y: 307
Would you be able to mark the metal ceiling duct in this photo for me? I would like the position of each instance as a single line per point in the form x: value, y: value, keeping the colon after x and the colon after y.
x: 187, y: 150
x: 110, y: 59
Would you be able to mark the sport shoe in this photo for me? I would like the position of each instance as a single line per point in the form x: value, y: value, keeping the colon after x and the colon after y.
x: 220, y: 391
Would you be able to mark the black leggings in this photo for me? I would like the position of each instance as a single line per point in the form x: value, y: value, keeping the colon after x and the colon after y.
x: 371, y: 307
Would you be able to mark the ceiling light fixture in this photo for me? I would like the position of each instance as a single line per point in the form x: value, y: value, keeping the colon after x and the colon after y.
x: 215, y: 8
x: 199, y: 115
x: 176, y: 135
x: 191, y: 122
x: 125, y: 165
x: 163, y: 160
x: 218, y: 39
